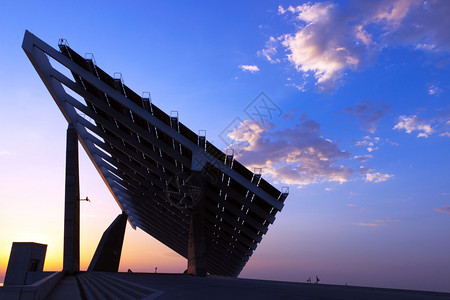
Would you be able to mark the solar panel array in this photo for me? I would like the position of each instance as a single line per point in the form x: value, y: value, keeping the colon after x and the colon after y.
x: 146, y: 157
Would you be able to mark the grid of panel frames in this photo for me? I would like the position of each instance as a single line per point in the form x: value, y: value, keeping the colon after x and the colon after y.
x: 143, y: 164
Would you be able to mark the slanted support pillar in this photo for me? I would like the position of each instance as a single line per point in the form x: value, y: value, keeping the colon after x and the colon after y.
x: 71, y: 260
x: 197, y: 262
x: 107, y: 255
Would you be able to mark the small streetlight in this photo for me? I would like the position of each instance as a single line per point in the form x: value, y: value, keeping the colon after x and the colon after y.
x: 86, y: 199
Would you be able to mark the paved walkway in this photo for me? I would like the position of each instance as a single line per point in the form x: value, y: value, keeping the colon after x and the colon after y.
x: 189, y: 287
x: 174, y: 287
x: 66, y: 289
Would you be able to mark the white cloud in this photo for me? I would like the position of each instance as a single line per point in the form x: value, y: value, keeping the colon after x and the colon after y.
x: 321, y: 44
x: 333, y: 38
x: 428, y: 47
x: 249, y: 68
x: 270, y: 51
x: 445, y: 209
x: 436, y: 124
x: 433, y: 89
x: 368, y: 142
x: 377, y: 177
x: 317, y: 47
x: 412, y: 123
x: 4, y: 153
x: 298, y: 155
x: 362, y: 35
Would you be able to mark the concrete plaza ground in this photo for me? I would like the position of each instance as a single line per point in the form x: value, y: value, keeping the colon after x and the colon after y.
x: 175, y: 286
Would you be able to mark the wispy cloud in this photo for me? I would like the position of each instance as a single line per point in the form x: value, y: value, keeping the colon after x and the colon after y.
x: 392, y: 142
x: 298, y: 155
x: 364, y: 170
x: 424, y: 127
x: 290, y: 115
x: 270, y: 51
x: 445, y: 209
x: 362, y: 158
x: 377, y: 223
x: 369, y: 142
x: 249, y: 68
x: 434, y: 89
x: 370, y: 224
x: 368, y: 114
x: 300, y: 87
x: 377, y: 177
x: 331, y: 39
x: 425, y: 26
x: 4, y: 153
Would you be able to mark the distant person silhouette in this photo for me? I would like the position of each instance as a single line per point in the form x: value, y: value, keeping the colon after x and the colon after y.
x: 317, y: 280
x: 308, y: 280
x: 129, y: 271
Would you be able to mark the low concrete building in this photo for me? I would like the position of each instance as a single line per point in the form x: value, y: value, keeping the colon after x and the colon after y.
x: 26, y: 260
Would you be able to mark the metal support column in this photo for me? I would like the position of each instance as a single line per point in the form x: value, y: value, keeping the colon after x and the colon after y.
x: 71, y: 261
x: 197, y: 263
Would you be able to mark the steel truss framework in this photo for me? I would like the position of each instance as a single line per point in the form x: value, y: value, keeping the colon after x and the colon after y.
x: 146, y: 158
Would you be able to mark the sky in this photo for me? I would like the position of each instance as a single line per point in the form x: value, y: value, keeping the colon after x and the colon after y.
x: 345, y: 102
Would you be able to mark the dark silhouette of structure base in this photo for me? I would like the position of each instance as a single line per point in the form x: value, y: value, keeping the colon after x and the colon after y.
x: 107, y: 255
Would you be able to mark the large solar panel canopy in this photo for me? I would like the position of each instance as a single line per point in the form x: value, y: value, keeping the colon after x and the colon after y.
x: 156, y: 168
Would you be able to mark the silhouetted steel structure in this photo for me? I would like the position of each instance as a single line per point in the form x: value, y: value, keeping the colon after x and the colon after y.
x: 156, y: 168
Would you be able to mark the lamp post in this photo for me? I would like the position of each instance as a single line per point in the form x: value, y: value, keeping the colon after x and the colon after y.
x: 86, y: 199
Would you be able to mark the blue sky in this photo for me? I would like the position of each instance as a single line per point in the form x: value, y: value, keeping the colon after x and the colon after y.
x: 359, y: 128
